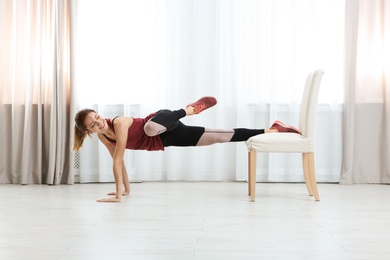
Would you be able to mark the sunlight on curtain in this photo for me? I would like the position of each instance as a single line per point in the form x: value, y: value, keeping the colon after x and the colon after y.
x: 166, y: 54
x: 34, y: 87
x: 120, y: 52
x: 372, y: 59
x: 278, y: 42
x: 367, y: 93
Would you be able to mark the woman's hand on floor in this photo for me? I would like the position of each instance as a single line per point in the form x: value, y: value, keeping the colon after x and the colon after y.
x: 111, y: 199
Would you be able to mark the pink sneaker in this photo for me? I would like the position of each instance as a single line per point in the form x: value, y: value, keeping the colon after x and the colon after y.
x: 282, y: 128
x: 203, y: 104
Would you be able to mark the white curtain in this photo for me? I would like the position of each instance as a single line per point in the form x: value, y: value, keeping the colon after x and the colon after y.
x: 367, y: 92
x: 253, y: 56
x: 34, y: 92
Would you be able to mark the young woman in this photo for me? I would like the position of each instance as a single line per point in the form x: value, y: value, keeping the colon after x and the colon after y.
x: 155, y: 132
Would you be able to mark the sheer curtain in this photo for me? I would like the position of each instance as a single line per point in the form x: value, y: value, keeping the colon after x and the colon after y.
x: 34, y: 87
x: 367, y: 93
x: 253, y: 56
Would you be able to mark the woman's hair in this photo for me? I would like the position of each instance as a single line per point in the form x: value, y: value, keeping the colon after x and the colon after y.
x: 80, y: 131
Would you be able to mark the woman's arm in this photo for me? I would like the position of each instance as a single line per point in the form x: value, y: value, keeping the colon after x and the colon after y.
x: 121, y: 125
x: 126, y: 182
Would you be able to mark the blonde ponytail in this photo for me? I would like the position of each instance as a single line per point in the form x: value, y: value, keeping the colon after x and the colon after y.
x: 80, y: 131
x: 78, y: 140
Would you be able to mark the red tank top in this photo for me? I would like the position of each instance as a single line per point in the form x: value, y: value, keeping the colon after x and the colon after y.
x: 136, y: 137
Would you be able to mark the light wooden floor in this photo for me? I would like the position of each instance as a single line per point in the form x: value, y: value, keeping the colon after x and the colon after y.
x: 195, y: 220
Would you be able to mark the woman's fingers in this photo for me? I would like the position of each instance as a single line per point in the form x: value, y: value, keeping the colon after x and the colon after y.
x: 113, y: 199
x: 114, y: 193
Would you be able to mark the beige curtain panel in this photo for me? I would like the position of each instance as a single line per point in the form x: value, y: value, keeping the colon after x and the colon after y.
x: 367, y: 93
x: 34, y: 91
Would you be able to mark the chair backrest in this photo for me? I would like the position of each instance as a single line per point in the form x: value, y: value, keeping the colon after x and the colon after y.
x: 309, y: 104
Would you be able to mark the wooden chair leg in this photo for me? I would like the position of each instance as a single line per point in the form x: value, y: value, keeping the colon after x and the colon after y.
x: 313, y: 178
x: 249, y: 174
x: 252, y: 174
x: 306, y: 173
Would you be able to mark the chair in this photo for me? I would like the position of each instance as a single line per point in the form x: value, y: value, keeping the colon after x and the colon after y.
x: 291, y: 142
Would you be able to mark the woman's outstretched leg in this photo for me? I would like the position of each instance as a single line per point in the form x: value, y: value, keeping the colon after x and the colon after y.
x: 184, y: 135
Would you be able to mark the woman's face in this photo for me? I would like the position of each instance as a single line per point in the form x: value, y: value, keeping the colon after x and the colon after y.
x: 94, y: 123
